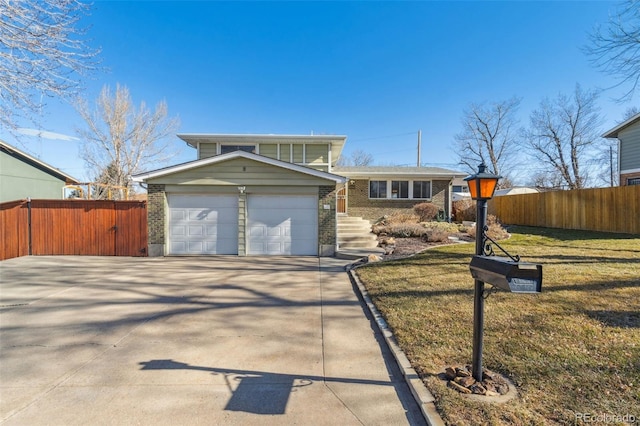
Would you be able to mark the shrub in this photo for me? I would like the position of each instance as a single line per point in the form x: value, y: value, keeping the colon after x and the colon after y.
x: 449, y: 228
x: 495, y: 231
x: 426, y: 211
x: 464, y: 210
x: 405, y: 230
x: 437, y: 236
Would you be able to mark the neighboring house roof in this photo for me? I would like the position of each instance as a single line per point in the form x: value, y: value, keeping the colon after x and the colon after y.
x: 613, y: 133
x: 337, y: 141
x: 516, y: 190
x: 383, y: 171
x: 141, y: 177
x: 38, y: 164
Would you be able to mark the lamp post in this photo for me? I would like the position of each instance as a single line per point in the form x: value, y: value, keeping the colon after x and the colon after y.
x: 482, y: 185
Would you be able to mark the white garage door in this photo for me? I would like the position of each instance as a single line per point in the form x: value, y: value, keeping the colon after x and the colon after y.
x: 282, y: 225
x: 203, y: 224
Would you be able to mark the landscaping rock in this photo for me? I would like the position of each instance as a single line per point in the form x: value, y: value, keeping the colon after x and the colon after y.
x: 465, y: 381
x: 450, y: 373
x: 478, y: 389
x: 459, y: 388
x: 461, y: 379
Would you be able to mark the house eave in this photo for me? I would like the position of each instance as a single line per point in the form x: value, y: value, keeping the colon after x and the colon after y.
x: 613, y: 133
x: 142, y: 177
x: 40, y: 165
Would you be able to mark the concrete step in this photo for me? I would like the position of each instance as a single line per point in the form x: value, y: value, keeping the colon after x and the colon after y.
x: 354, y: 228
x: 354, y: 233
x: 358, y: 246
x: 357, y: 253
x: 352, y: 219
x: 353, y: 236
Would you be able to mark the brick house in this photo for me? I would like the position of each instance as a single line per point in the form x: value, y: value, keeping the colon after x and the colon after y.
x: 274, y: 195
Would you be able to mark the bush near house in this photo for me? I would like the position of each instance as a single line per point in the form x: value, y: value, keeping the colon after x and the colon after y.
x: 464, y: 210
x: 426, y: 211
x: 404, y: 225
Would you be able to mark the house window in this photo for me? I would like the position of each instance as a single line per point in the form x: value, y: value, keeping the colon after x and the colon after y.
x: 460, y: 188
x: 231, y: 148
x: 378, y: 189
x: 633, y: 181
x: 399, y: 189
x: 422, y: 189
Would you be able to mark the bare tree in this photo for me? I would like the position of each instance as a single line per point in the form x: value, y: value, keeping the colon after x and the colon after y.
x: 356, y: 158
x: 489, y: 134
x: 41, y: 54
x: 562, y: 133
x: 630, y: 112
x: 616, y: 49
x: 120, y: 140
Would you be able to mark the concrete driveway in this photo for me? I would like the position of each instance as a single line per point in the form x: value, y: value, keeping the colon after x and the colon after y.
x: 219, y: 340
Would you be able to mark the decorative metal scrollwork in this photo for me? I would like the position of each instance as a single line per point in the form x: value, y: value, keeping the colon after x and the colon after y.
x: 487, y: 246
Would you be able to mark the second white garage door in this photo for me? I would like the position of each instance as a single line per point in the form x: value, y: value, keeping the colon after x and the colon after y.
x: 282, y: 225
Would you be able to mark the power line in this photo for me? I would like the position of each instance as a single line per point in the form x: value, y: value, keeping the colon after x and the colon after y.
x: 382, y: 137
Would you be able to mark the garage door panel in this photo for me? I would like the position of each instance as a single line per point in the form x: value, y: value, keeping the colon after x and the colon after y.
x: 282, y: 225
x: 203, y: 224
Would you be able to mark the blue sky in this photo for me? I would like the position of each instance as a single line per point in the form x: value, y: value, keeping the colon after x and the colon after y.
x: 376, y: 72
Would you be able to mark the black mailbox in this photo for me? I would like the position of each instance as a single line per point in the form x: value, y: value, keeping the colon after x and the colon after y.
x: 502, y: 272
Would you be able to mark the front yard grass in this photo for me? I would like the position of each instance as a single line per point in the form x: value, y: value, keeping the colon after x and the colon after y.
x: 572, y: 350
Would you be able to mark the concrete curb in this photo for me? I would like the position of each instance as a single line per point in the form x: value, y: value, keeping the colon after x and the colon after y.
x: 423, y: 397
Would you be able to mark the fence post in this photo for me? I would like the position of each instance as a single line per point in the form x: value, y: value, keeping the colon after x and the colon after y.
x: 29, y: 224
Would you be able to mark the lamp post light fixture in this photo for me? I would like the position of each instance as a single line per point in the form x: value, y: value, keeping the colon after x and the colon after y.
x: 482, y: 185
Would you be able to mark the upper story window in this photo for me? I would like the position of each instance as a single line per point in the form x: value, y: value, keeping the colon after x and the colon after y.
x: 378, y: 189
x: 231, y: 148
x: 399, y: 189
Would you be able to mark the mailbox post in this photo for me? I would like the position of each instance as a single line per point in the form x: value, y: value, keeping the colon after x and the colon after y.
x: 506, y: 273
x: 482, y: 185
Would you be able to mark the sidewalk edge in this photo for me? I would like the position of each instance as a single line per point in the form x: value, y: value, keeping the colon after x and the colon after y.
x: 423, y: 397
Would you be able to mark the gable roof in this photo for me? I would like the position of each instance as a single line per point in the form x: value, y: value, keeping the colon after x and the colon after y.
x: 367, y: 171
x: 34, y: 162
x: 613, y: 133
x: 141, y: 177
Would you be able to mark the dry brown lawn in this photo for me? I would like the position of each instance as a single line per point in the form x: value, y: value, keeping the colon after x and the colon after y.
x: 572, y: 351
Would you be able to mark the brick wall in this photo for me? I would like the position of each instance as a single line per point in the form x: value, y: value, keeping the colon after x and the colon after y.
x: 156, y: 219
x: 624, y: 177
x: 327, y: 239
x: 359, y: 203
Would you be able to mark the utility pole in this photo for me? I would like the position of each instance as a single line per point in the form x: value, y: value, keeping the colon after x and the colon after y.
x: 611, y: 163
x: 419, y: 145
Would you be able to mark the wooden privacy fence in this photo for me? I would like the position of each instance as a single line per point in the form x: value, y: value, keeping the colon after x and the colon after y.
x: 73, y: 227
x: 599, y: 209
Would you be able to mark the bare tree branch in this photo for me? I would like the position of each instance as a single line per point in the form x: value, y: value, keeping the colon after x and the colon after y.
x: 562, y: 134
x: 488, y: 136
x: 41, y: 54
x: 356, y: 158
x: 120, y: 140
x: 615, y: 50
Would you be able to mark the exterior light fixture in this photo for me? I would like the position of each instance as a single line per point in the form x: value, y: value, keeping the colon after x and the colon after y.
x: 241, y: 189
x: 482, y: 185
